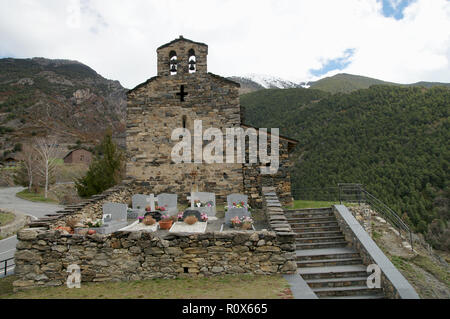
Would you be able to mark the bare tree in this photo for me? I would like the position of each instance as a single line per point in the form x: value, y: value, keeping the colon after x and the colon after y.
x: 47, y: 150
x: 28, y: 157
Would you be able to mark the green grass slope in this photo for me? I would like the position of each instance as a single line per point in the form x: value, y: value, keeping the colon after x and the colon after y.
x: 345, y: 83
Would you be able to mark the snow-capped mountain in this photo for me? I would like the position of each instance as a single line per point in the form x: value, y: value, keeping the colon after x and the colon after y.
x: 270, y: 82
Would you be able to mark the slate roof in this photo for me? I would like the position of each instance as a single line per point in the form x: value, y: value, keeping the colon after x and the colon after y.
x: 181, y: 39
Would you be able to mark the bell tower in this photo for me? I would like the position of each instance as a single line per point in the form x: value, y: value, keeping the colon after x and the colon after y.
x: 182, y: 57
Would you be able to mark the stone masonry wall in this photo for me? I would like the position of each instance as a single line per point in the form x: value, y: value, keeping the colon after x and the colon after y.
x: 154, y: 111
x: 254, y: 181
x: 42, y: 256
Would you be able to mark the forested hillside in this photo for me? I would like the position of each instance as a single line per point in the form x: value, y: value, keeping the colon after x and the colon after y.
x: 392, y: 139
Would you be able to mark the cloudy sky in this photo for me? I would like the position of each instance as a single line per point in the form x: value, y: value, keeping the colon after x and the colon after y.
x: 394, y: 40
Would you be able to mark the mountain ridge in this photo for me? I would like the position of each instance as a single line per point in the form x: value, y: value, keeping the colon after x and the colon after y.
x: 62, y: 98
x: 339, y: 83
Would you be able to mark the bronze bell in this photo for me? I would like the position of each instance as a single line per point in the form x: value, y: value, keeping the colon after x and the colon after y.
x: 192, y: 65
x: 173, y: 68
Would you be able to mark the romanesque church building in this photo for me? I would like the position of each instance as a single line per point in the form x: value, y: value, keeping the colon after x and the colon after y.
x: 184, y: 91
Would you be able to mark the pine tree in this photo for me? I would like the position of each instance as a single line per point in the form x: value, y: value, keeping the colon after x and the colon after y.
x: 104, y: 172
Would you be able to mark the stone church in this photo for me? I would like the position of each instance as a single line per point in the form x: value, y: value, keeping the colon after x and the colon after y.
x: 183, y: 91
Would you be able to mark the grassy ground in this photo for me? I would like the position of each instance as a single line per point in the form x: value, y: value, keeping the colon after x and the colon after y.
x: 430, y: 278
x: 221, y: 287
x: 34, y: 197
x: 299, y: 204
x: 6, y: 218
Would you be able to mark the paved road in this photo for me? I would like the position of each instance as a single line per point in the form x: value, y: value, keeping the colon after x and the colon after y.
x: 9, y: 201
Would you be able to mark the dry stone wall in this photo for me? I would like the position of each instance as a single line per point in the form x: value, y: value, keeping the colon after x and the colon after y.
x: 42, y: 256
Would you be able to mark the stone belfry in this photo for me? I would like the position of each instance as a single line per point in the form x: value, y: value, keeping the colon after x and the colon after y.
x: 182, y: 51
x: 182, y: 92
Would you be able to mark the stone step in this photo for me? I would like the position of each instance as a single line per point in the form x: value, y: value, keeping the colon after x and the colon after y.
x: 318, y: 234
x: 308, y: 273
x: 311, y: 210
x: 310, y: 219
x: 326, y: 253
x: 375, y: 296
x: 314, y: 224
x: 293, y: 213
x: 329, y: 262
x: 315, y: 229
x: 305, y: 240
x: 337, y: 282
x: 331, y: 244
x: 346, y: 291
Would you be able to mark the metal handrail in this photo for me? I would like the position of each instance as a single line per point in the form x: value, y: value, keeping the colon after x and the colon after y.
x: 390, y: 215
x: 349, y: 192
x: 6, y: 265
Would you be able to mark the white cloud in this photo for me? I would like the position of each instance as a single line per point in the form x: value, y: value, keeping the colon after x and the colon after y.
x: 283, y: 38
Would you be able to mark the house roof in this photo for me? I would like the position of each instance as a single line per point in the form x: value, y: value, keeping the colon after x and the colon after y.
x: 77, y: 149
x: 181, y: 38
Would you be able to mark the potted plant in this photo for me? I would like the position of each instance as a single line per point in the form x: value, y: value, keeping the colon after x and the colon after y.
x: 235, y: 222
x: 96, y: 224
x: 160, y: 208
x: 243, y: 223
x: 238, y: 205
x: 247, y: 223
x: 165, y: 222
x: 190, y: 220
x: 148, y: 220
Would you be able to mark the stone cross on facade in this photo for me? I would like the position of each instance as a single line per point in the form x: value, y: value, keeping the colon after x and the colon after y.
x: 151, y: 200
x: 182, y: 94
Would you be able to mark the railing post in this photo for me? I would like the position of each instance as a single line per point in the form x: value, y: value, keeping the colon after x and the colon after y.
x: 340, y: 200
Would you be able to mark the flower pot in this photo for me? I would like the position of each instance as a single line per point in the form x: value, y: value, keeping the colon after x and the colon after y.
x: 165, y: 224
x: 91, y: 232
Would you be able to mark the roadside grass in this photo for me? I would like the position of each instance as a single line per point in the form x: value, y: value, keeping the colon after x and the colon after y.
x: 220, y: 287
x: 35, y: 197
x: 6, y: 218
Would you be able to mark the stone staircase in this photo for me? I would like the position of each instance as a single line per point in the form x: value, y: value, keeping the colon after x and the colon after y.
x: 324, y: 260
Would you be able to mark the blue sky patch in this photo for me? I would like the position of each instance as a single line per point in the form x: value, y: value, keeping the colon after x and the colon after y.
x: 335, y: 64
x: 394, y: 8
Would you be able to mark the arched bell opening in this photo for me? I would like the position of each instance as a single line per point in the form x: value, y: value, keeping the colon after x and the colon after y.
x: 192, y: 61
x: 173, y: 63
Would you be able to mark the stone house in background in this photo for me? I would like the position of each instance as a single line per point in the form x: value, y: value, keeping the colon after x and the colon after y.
x: 78, y: 156
x: 183, y: 91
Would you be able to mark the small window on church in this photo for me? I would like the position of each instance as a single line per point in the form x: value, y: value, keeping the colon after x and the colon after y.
x: 184, y: 121
x: 192, y: 61
x: 173, y: 62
